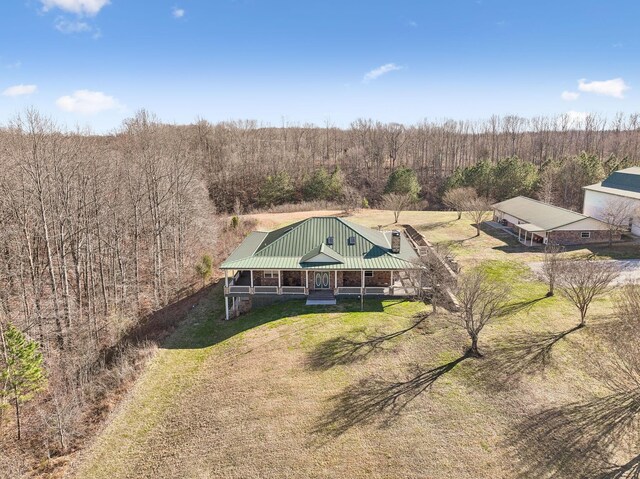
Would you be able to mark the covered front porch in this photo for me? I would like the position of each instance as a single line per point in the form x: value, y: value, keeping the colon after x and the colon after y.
x: 309, y: 281
x: 530, y: 234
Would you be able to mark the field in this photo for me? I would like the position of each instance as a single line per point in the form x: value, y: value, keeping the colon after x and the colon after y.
x: 293, y: 391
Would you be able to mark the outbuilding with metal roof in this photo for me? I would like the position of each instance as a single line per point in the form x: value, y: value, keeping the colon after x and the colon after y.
x: 537, y: 222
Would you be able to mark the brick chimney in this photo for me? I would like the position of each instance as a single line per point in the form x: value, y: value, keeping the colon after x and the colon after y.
x: 395, y: 241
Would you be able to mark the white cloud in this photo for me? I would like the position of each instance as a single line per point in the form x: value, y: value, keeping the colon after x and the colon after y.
x: 615, y: 87
x: 79, y: 7
x: 18, y: 90
x: 87, y: 102
x: 381, y: 70
x: 576, y: 118
x: 570, y: 95
x: 72, y: 26
x: 413, y: 24
x: 14, y: 65
x: 177, y: 12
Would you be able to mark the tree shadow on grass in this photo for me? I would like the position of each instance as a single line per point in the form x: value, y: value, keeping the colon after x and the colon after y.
x: 629, y: 470
x: 433, y: 226
x: 578, y: 440
x: 521, y: 354
x: 343, y: 350
x: 518, y: 306
x: 367, y: 400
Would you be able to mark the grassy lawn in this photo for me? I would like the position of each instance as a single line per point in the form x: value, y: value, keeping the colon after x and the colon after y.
x: 296, y: 391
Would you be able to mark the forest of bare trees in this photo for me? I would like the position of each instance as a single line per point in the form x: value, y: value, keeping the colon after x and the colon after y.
x: 97, y: 232
x: 93, y: 236
x: 238, y: 156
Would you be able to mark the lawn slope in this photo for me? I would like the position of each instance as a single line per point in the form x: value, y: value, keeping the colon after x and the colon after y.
x: 295, y: 391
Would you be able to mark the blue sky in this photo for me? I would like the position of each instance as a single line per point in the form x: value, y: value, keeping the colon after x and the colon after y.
x: 95, y: 62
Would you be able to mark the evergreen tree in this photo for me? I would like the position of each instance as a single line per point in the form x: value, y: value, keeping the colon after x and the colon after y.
x: 276, y: 190
x: 22, y: 371
x: 403, y: 181
x: 324, y: 186
x: 513, y: 177
x: 204, y: 268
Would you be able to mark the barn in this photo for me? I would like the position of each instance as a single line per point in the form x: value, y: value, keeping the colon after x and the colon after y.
x: 621, y: 189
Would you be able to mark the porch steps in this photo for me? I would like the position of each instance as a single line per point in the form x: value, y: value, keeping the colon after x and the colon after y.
x: 321, y: 298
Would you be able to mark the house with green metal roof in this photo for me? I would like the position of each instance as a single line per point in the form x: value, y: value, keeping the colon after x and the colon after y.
x: 536, y: 222
x: 319, y: 258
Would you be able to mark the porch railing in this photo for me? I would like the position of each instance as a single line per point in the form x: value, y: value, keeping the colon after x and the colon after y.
x: 239, y: 289
x: 349, y: 290
x: 265, y: 290
x: 376, y: 290
x: 293, y: 290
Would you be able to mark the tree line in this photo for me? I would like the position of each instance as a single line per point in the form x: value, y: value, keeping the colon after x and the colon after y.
x: 95, y: 233
x: 244, y: 162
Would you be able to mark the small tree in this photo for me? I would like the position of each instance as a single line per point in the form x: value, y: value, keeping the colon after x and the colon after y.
x: 481, y: 300
x: 581, y: 281
x: 22, y: 370
x: 396, y: 203
x: 458, y: 198
x: 551, y: 265
x: 617, y: 214
x: 403, y: 181
x: 235, y: 221
x: 204, y: 268
x: 478, y: 209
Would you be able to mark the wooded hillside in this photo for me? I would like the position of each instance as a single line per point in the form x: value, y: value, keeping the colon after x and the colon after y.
x: 97, y: 232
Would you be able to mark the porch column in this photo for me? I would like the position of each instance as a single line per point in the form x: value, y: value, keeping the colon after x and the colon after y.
x: 362, y: 291
x: 335, y: 280
x: 531, y: 239
x: 279, y: 280
x: 519, y: 233
x: 251, y: 273
x: 226, y: 307
x: 306, y: 279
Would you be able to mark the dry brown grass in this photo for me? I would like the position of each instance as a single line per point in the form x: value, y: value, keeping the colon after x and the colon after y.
x: 291, y: 391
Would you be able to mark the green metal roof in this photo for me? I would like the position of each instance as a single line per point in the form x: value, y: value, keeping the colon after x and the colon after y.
x: 293, y: 246
x: 538, y: 214
x: 627, y: 180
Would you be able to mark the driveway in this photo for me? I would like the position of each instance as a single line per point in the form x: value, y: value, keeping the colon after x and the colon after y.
x: 630, y: 269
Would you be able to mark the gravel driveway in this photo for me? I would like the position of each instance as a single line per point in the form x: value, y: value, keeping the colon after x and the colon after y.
x: 630, y: 269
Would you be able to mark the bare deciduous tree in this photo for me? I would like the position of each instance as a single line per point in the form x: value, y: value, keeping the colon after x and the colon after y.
x: 477, y: 209
x: 481, y: 300
x: 551, y: 264
x: 618, y: 214
x: 396, y: 203
x: 433, y: 279
x: 458, y: 198
x: 581, y: 281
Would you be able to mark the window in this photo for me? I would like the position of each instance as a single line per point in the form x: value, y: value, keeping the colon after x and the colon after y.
x: 351, y: 241
x: 330, y: 240
x: 270, y: 274
x: 368, y: 274
x: 585, y: 234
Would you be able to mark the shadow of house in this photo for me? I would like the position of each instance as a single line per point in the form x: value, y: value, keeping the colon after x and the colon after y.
x: 579, y: 440
x: 343, y: 350
x: 373, y: 399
